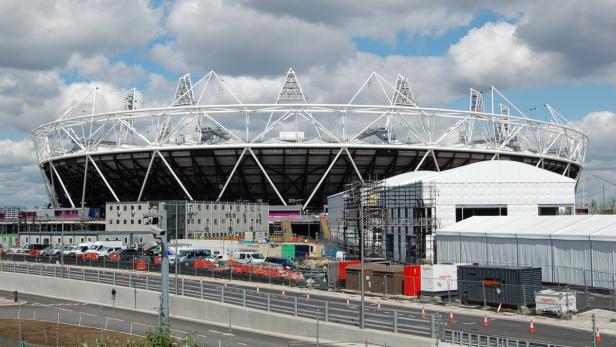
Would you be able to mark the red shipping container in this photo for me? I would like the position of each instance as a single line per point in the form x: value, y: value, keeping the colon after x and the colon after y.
x: 412, y: 280
x: 342, y: 268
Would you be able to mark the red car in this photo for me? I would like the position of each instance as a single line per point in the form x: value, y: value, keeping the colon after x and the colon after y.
x: 36, y: 249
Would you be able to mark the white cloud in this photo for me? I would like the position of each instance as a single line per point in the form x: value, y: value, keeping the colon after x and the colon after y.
x: 31, y: 98
x: 44, y: 34
x: 20, y: 178
x: 99, y: 68
x: 233, y: 39
x: 380, y: 20
x: 601, y: 160
x: 494, y: 54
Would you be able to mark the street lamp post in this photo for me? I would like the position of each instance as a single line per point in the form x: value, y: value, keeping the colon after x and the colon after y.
x: 361, y: 260
x: 160, y: 234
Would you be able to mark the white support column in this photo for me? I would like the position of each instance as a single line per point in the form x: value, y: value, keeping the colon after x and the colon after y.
x: 422, y: 160
x: 435, y: 162
x: 104, y: 179
x: 68, y: 196
x: 314, y: 191
x: 85, y: 182
x: 237, y: 164
x: 147, y: 174
x: 267, y: 176
x: 53, y: 197
x: 567, y: 169
x: 175, y: 176
x: 354, y: 166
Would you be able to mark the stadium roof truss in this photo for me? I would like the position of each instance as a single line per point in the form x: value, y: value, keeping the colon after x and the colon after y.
x: 208, y: 114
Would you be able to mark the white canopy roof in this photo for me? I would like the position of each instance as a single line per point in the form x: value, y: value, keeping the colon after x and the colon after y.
x: 580, y: 227
x: 483, y: 171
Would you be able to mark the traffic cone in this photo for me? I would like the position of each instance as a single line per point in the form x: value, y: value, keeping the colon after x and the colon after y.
x: 452, y: 319
x: 597, y: 336
x: 531, y: 329
x: 485, y: 320
x: 348, y: 304
x: 423, y: 313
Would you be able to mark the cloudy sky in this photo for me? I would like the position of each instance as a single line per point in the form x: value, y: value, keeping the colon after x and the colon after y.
x: 558, y: 52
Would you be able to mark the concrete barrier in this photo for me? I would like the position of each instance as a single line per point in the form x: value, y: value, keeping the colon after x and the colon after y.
x: 202, y: 310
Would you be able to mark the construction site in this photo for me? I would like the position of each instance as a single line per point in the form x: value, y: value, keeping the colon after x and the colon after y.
x: 394, y: 221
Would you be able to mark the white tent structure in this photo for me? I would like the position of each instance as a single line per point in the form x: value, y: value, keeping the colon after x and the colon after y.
x: 577, y: 250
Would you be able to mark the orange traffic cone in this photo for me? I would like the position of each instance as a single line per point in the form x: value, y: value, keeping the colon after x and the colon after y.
x: 452, y: 319
x: 597, y: 336
x: 531, y: 329
x: 423, y: 313
x: 485, y: 320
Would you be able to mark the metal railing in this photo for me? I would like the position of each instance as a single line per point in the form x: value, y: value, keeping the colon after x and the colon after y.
x: 405, y: 321
x: 470, y: 339
x: 305, y: 305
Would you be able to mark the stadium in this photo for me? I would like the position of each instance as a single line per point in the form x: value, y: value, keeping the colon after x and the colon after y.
x: 209, y: 145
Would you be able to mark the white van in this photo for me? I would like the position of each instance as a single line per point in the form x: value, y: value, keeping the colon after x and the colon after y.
x: 102, y: 248
x: 246, y: 257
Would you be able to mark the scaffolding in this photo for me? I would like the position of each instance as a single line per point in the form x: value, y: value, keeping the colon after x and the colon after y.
x: 385, y: 214
x: 10, y: 213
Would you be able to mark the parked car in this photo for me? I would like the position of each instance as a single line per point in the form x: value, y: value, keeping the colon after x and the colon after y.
x: 36, y: 250
x: 286, y: 263
x: 188, y: 256
x: 105, y: 251
x: 23, y: 249
x: 78, y: 250
x: 51, y: 251
x: 246, y: 257
x: 219, y: 257
x: 124, y: 254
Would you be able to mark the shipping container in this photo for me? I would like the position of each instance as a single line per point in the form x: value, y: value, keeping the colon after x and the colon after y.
x: 288, y: 251
x: 439, y: 279
x: 387, y: 279
x: 412, y: 280
x: 353, y: 277
x: 510, y: 286
x: 302, y: 251
x: 342, y: 268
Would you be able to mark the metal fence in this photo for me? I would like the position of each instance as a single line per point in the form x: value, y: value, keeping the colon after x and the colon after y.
x: 68, y: 318
x: 305, y: 305
x: 470, y: 339
x: 378, y: 317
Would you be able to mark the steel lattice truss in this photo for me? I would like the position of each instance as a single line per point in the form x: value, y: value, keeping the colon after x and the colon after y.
x: 84, y: 151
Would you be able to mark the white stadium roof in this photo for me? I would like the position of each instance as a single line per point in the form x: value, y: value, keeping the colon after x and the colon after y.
x: 576, y: 227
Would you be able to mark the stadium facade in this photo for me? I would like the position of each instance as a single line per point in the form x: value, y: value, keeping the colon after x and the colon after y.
x: 208, y: 145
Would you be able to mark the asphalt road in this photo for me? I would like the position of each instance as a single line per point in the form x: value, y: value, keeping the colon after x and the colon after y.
x: 44, y: 308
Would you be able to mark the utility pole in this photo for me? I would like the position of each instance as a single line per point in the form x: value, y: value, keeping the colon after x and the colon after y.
x: 361, y: 259
x: 62, y: 248
x: 161, y: 235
